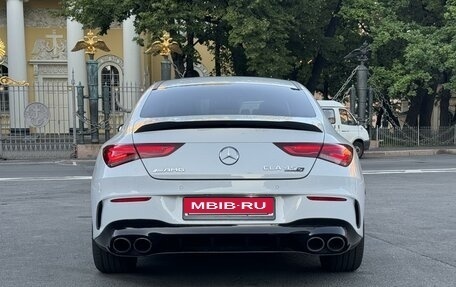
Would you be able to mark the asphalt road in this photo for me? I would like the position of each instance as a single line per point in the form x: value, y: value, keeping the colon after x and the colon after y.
x: 410, y: 234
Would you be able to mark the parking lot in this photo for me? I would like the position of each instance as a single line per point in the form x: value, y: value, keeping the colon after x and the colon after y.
x: 410, y: 229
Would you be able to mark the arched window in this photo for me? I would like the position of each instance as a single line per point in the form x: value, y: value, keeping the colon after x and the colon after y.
x: 110, y: 77
x: 4, y: 97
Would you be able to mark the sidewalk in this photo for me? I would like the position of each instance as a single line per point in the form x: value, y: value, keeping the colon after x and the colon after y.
x: 408, y: 151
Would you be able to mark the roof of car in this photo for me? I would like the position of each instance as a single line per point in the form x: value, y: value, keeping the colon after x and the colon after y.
x: 199, y: 81
x: 329, y: 103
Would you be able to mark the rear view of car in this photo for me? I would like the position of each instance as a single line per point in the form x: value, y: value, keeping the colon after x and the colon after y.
x: 227, y: 164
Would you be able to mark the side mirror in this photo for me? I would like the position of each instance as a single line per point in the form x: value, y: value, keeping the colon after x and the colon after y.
x: 119, y: 128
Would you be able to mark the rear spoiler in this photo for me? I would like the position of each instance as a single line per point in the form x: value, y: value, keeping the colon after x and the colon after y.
x: 255, y: 124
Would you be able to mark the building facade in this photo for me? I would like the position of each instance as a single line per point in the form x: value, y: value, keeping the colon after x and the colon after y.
x: 39, y: 46
x: 38, y: 51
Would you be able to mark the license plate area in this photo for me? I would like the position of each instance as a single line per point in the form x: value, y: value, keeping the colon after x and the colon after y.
x: 229, y: 208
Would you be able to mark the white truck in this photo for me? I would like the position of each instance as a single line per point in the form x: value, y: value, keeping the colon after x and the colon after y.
x: 346, y: 125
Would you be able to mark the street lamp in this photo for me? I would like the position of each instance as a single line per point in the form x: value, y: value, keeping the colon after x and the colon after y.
x: 164, y: 48
x: 361, y: 54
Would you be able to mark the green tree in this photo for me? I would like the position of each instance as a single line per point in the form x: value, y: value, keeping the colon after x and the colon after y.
x: 293, y: 39
x: 188, y: 21
x: 299, y: 40
x: 412, y: 51
x: 261, y: 29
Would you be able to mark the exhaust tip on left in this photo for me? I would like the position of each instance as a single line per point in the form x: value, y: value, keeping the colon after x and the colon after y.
x: 315, y: 244
x: 121, y: 245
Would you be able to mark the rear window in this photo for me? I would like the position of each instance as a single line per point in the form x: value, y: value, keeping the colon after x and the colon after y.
x: 227, y: 99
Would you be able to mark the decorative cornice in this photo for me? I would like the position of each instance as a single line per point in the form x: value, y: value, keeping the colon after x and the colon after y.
x: 48, y: 62
x: 46, y: 69
x: 52, y: 70
x: 53, y: 48
x: 7, y: 81
x: 110, y: 59
x: 43, y: 18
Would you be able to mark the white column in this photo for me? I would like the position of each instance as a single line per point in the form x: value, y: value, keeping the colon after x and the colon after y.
x: 77, y: 70
x: 76, y: 60
x: 17, y: 64
x: 131, y: 54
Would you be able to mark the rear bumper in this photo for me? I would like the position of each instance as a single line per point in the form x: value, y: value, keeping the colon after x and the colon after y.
x: 147, y: 237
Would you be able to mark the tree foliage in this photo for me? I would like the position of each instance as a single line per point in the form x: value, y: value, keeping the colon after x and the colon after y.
x: 413, y: 51
x: 412, y: 41
x: 271, y: 38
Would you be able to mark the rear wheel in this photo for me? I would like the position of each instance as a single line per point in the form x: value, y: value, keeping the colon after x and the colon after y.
x: 359, y: 147
x: 346, y: 262
x: 109, y: 263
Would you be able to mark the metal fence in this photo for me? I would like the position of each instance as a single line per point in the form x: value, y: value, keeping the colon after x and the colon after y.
x: 46, y: 121
x: 414, y: 136
x: 35, y: 121
x: 123, y: 100
x: 114, y: 106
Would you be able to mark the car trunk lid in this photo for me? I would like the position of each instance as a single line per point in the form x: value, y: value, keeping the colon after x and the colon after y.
x: 223, y: 149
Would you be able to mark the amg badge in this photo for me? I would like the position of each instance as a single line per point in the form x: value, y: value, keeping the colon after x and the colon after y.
x: 168, y: 169
x: 283, y: 168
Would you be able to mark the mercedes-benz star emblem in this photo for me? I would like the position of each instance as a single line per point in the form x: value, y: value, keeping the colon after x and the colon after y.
x: 229, y: 155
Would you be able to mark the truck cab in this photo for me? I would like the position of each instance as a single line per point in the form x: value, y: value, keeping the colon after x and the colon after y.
x: 346, y: 125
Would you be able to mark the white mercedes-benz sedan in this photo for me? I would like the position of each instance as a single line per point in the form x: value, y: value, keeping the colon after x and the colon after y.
x: 227, y: 164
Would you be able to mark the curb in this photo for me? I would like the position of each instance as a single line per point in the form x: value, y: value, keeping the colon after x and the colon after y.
x: 413, y: 152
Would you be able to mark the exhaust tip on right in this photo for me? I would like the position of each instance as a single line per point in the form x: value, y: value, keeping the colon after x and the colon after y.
x: 142, y: 245
x: 336, y: 244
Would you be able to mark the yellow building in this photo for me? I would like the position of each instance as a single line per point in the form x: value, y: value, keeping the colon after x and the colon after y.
x: 45, y: 39
x: 38, y: 51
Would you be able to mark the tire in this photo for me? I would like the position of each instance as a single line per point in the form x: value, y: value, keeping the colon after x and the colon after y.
x: 109, y: 263
x: 346, y: 262
x: 359, y: 147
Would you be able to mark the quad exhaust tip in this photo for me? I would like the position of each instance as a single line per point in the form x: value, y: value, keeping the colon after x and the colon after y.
x: 121, y: 245
x: 142, y: 245
x: 315, y: 244
x: 335, y: 244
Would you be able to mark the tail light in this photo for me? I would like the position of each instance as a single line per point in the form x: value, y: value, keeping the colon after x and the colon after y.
x: 340, y: 154
x: 157, y: 150
x: 115, y: 155
x: 337, y: 153
x: 326, y: 198
x: 301, y: 149
x: 131, y: 199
